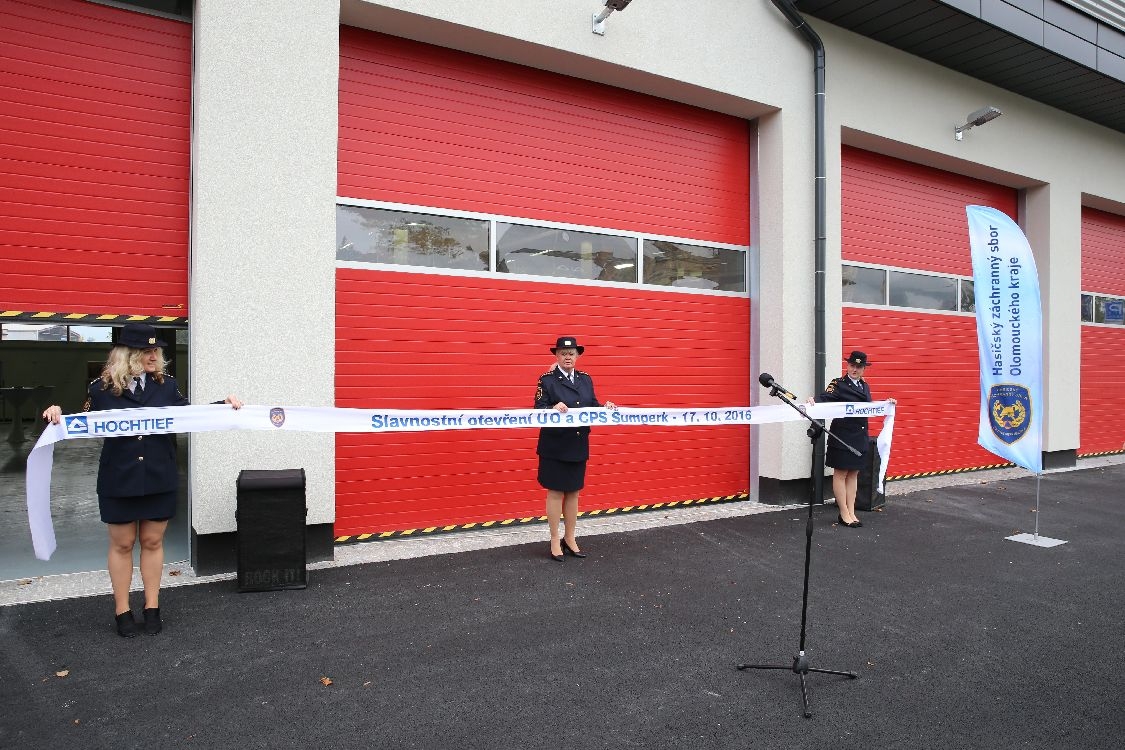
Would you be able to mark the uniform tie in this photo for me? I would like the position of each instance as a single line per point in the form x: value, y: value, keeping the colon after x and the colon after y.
x: 139, y: 387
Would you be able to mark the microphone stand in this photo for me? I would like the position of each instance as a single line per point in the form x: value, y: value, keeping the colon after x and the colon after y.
x: 800, y: 665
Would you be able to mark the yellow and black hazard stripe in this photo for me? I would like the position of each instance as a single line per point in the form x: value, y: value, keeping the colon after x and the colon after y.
x: 922, y: 475
x: 508, y: 522
x: 24, y: 316
x: 1103, y: 453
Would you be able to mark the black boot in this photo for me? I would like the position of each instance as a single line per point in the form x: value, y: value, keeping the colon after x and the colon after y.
x: 153, y: 625
x: 126, y: 625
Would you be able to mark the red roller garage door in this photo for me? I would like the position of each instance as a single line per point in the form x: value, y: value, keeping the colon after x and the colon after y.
x: 426, y: 126
x: 94, y: 159
x: 910, y: 217
x: 1103, y: 347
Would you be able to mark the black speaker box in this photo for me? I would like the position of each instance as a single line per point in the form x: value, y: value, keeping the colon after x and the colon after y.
x: 271, y: 530
x: 867, y: 495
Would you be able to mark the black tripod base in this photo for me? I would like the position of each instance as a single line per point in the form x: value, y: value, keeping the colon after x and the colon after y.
x: 801, y: 668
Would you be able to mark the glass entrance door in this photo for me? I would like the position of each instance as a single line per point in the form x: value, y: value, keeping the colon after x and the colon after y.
x: 43, y: 364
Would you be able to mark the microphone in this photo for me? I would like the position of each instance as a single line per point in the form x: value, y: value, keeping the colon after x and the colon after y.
x: 767, y: 380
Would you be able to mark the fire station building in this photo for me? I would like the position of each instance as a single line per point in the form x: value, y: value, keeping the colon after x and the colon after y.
x: 402, y: 203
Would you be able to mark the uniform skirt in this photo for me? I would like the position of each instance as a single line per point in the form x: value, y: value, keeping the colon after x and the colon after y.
x: 839, y: 457
x: 158, y: 507
x: 562, y: 476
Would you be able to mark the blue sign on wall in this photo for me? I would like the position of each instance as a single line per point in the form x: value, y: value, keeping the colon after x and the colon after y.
x: 1114, y: 311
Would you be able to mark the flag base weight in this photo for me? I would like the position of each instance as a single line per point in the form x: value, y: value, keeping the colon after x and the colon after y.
x: 1038, y: 541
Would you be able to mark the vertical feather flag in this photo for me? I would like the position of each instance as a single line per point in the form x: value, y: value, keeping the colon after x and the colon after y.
x: 1010, y: 338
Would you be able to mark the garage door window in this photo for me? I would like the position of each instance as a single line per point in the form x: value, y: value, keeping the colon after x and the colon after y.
x: 694, y: 266
x: 565, y: 253
x: 478, y: 243
x: 375, y: 235
x: 870, y: 285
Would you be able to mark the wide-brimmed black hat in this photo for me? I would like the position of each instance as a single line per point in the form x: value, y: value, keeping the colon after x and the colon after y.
x: 567, y: 342
x: 139, y: 336
x: 857, y: 358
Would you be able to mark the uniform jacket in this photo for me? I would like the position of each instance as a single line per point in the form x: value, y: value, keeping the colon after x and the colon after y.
x: 565, y: 443
x: 852, y: 430
x: 141, y: 464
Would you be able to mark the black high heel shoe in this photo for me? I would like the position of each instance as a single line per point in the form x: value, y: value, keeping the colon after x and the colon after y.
x: 568, y: 551
x: 553, y: 556
x: 853, y: 525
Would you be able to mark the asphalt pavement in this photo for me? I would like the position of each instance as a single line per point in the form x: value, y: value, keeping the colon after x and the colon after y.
x: 959, y: 638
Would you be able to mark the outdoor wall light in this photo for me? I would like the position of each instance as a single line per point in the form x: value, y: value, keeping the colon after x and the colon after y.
x: 610, y: 6
x: 980, y: 117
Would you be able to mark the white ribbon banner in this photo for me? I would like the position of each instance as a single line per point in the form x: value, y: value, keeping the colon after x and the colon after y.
x: 168, y: 420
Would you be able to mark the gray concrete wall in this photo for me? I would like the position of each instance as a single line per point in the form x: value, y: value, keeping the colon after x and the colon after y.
x: 262, y: 314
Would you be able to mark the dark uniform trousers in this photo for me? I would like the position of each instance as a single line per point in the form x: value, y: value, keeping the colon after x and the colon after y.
x: 565, y: 443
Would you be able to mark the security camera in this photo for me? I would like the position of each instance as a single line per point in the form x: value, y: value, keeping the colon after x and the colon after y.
x: 617, y: 4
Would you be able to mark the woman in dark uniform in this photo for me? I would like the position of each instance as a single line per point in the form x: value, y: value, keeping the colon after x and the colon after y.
x: 137, y: 476
x: 563, y: 451
x: 851, y: 430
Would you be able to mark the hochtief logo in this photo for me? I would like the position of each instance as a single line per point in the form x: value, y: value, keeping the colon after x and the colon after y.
x: 77, y: 426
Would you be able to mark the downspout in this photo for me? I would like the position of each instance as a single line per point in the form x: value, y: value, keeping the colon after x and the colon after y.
x: 789, y: 10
